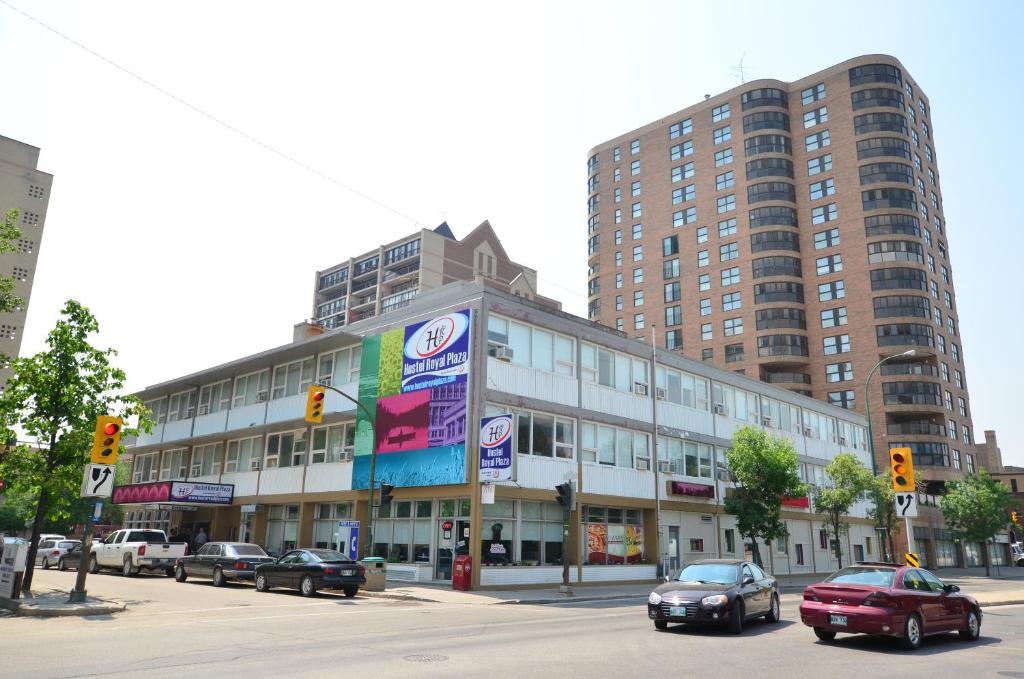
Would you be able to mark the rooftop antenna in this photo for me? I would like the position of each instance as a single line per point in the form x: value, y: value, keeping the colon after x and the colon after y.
x: 740, y: 70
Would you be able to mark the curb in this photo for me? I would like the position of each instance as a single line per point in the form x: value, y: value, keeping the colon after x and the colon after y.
x: 1005, y: 602
x: 32, y: 610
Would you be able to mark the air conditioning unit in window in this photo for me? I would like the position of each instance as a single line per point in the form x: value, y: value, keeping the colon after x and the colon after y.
x: 503, y: 353
x: 204, y: 409
x: 261, y: 396
x: 325, y: 381
x: 808, y: 431
x: 664, y: 466
x: 196, y: 470
x: 721, y: 409
x: 842, y: 440
x: 643, y: 464
x: 254, y: 464
x: 767, y: 421
x: 640, y: 388
x: 660, y: 393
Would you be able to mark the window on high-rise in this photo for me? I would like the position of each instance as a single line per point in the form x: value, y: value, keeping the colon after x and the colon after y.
x: 720, y: 113
x: 812, y: 94
x: 723, y: 157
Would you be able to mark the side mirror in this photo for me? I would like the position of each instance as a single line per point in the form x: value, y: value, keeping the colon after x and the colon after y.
x: 951, y: 588
x: 747, y: 580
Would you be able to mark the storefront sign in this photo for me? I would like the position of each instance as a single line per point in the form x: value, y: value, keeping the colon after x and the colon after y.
x: 692, y: 489
x: 496, y: 448
x: 798, y: 502
x: 174, y: 492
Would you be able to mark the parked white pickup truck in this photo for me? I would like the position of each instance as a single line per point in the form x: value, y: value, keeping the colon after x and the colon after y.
x: 135, y: 549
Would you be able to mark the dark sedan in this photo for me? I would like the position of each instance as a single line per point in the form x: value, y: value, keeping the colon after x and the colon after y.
x: 221, y: 562
x: 71, y: 558
x: 309, y: 570
x: 717, y: 592
x: 887, y: 598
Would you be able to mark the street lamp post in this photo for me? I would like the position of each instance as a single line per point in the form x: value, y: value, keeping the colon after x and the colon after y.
x: 867, y: 404
x: 368, y: 550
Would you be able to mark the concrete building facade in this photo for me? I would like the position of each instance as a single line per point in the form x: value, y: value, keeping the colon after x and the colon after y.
x: 795, y: 232
x: 23, y: 187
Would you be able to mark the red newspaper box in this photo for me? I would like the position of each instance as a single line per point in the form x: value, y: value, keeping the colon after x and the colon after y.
x: 462, y: 572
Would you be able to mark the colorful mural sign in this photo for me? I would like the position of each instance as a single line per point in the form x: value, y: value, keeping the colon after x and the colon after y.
x: 413, y: 381
x: 614, y: 544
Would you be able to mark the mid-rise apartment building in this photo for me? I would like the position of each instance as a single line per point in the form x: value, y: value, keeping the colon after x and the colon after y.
x: 390, y: 276
x: 795, y: 232
x: 583, y: 399
x: 26, y: 189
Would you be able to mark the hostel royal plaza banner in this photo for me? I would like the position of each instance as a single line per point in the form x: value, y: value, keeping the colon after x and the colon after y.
x: 413, y: 381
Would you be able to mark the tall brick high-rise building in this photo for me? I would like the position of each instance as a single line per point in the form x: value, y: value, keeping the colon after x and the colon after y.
x: 795, y: 232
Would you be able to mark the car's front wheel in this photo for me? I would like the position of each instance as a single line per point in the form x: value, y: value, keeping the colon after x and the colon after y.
x: 307, y: 587
x: 824, y: 634
x: 912, y: 633
x: 774, y: 613
x: 661, y: 624
x: 736, y: 617
x: 262, y: 584
x: 972, y: 626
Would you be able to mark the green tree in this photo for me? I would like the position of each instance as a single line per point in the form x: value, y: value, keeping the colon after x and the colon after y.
x: 846, y: 479
x: 9, y: 233
x: 765, y: 469
x: 883, y: 509
x: 54, y: 398
x: 975, y: 509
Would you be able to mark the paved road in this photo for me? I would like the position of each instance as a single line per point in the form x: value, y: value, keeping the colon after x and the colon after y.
x: 192, y: 628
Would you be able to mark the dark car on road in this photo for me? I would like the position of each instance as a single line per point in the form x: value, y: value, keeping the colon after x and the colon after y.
x: 221, y: 562
x: 717, y: 592
x: 309, y: 570
x: 887, y: 598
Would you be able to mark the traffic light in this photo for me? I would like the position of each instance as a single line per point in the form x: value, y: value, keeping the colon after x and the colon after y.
x: 385, y: 494
x: 107, y: 439
x: 902, y: 464
x: 315, y: 404
x: 566, y: 495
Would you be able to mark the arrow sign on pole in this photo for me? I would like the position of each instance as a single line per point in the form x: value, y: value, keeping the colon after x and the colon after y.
x: 906, y: 505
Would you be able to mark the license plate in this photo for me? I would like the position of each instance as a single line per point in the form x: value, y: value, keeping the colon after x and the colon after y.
x: 838, y: 620
x: 677, y: 611
x: 348, y: 572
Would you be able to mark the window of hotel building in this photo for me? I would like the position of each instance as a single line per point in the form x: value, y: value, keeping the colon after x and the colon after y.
x: 638, y: 275
x: 251, y: 388
x: 730, y: 540
x: 707, y: 355
x: 728, y: 251
x: 282, y: 528
x: 826, y: 239
x: 824, y: 213
x: 948, y: 298
x: 839, y: 372
x: 681, y: 172
x: 243, y: 455
x: 617, y: 174
x: 638, y: 231
x: 292, y: 378
x: 634, y: 147
x: 145, y: 468
x: 726, y: 180
x: 683, y: 194
x: 723, y: 157
x: 818, y: 140
x: 842, y: 399
x: 723, y: 134
x: 333, y: 444
x: 734, y: 354
x: 545, y: 435
x: 829, y: 264
x: 720, y: 113
x: 815, y: 116
x: 215, y: 397
x: 938, y: 316
x: 962, y: 406
x: 612, y: 369
x: 812, y: 94
x: 618, y: 302
x: 702, y: 234
x: 819, y: 165
x: 831, y: 318
x: 966, y: 431
x: 620, y: 325
x: 634, y: 189
x: 970, y: 463
x: 958, y: 379
x: 956, y: 459
x: 325, y: 523
x: 206, y: 460
x: 684, y: 217
x: 669, y: 246
x: 618, y: 280
x: 952, y: 429
x: 733, y: 326
x: 285, y: 450
x: 532, y: 347
x: 616, y: 154
x: 704, y: 282
x: 673, y: 315
x: 674, y: 340
x: 402, y: 532
x: 706, y: 332
x: 914, y: 137
x: 158, y: 408
x: 618, y: 258
x: 670, y: 268
x: 741, y: 404
x: 836, y: 344
x: 831, y: 291
x: 638, y: 253
x: 614, y: 447
x: 540, y: 534
x: 705, y: 307
x: 680, y: 151
x: 686, y: 458
x: 726, y: 203
x: 618, y: 216
x: 638, y: 298
x: 727, y: 227
x: 679, y: 129
x: 683, y: 388
x: 637, y: 211
x: 182, y: 406
x: 730, y: 276
x: 174, y: 464
x: 823, y: 188
x: 732, y: 301
x: 928, y: 153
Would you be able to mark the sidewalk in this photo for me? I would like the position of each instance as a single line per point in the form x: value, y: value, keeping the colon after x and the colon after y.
x: 994, y: 591
x: 49, y: 603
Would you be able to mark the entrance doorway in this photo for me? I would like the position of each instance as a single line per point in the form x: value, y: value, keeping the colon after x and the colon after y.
x: 673, y: 549
x: 452, y: 540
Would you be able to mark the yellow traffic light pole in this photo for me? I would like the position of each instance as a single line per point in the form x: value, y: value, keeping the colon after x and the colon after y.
x: 901, y: 462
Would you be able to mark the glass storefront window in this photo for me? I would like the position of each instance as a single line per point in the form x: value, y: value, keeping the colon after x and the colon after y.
x: 325, y: 525
x: 613, y: 535
x: 946, y: 554
x: 282, y: 528
x: 497, y: 533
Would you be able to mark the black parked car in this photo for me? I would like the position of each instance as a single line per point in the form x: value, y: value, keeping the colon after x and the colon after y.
x: 309, y: 570
x: 222, y: 561
x: 71, y: 558
x: 718, y: 592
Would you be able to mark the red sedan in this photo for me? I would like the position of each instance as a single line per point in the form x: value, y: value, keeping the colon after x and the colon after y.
x: 884, y: 598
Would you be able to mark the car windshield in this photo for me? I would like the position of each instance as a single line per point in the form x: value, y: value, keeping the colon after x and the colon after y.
x: 877, y: 576
x: 248, y: 550
x: 67, y: 544
x: 328, y: 555
x: 709, y: 573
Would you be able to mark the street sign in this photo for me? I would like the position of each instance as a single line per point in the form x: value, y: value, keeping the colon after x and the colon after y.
x: 906, y: 505
x: 487, y: 493
x: 98, y: 480
x: 912, y: 560
x: 97, y: 511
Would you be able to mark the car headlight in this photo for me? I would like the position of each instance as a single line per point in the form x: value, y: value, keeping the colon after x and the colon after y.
x: 714, y: 600
x: 654, y: 598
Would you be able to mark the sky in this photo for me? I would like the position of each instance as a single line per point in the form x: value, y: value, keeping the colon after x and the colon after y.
x: 221, y: 209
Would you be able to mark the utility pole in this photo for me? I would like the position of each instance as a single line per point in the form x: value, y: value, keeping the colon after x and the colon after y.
x: 662, y: 536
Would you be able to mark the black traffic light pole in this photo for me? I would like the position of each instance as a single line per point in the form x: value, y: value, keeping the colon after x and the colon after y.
x: 373, y: 463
